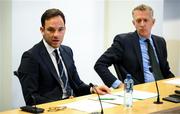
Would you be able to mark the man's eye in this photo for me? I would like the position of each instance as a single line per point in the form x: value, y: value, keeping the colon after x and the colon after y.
x: 138, y: 21
x: 61, y: 29
x: 50, y: 30
x: 145, y: 20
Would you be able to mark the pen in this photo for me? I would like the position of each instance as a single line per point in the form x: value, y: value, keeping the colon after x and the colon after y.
x: 178, y: 86
x: 107, y: 98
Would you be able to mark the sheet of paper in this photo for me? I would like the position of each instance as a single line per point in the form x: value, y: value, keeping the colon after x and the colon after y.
x: 111, y: 98
x: 87, y: 105
x: 139, y: 94
x: 173, y: 81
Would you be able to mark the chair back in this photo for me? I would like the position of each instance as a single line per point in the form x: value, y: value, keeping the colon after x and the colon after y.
x: 17, y: 95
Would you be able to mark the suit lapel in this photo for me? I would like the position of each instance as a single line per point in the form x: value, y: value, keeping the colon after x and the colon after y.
x: 64, y: 58
x: 158, y: 51
x: 47, y: 60
x: 137, y: 48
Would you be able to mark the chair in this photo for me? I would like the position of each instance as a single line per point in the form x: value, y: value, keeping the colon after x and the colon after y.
x: 17, y: 95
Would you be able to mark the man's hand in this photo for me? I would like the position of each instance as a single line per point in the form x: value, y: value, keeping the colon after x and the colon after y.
x: 70, y: 97
x: 103, y: 89
x: 121, y: 85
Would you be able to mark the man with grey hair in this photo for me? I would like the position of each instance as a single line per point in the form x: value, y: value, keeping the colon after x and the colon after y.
x: 139, y: 53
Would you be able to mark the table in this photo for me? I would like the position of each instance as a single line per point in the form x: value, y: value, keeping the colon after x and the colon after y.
x: 139, y: 107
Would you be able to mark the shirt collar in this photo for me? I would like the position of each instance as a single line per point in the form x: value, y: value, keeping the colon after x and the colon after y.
x: 49, y: 48
x: 143, y: 38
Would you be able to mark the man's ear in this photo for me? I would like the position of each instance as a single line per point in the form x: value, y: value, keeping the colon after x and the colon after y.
x: 42, y: 30
x: 154, y: 21
x: 133, y: 22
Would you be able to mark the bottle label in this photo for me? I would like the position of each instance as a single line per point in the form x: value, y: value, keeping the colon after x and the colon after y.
x: 128, y: 87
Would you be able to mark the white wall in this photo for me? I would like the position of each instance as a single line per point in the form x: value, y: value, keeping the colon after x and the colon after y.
x: 5, y: 54
x: 171, y: 32
x: 25, y: 33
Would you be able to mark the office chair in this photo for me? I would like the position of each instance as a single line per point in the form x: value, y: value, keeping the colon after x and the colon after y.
x: 17, y: 95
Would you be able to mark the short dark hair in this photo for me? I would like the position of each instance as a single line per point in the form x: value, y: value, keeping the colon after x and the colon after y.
x: 51, y: 13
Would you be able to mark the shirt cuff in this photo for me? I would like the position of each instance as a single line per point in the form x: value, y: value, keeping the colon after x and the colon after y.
x: 116, y: 84
x: 92, y: 89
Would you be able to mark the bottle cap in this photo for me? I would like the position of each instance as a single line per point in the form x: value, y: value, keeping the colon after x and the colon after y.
x: 128, y: 76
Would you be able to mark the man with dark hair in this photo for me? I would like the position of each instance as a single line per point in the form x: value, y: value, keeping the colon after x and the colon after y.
x: 47, y: 71
x: 139, y: 53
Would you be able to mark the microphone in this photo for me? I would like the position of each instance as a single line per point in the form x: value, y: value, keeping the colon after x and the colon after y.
x: 32, y: 109
x: 102, y: 112
x: 158, y: 95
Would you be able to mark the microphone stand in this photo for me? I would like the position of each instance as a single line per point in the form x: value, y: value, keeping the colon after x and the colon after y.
x: 36, y: 109
x: 91, y: 85
x: 158, y: 95
x: 34, y: 100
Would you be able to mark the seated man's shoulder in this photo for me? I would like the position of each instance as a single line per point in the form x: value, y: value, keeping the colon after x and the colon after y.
x: 125, y: 37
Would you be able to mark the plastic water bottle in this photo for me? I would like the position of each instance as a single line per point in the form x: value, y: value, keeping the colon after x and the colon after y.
x: 128, y: 91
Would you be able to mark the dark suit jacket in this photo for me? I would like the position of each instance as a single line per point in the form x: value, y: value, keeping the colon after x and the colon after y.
x: 39, y: 78
x: 126, y: 53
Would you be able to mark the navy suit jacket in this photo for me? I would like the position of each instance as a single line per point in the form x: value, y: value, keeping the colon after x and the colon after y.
x: 39, y: 78
x: 126, y: 53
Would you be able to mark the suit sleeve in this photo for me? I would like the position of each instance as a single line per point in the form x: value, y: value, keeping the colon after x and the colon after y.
x: 111, y: 56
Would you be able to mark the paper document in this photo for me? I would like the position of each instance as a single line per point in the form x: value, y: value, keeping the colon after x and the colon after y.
x: 109, y: 98
x: 118, y: 98
x: 173, y: 81
x: 87, y: 105
x: 139, y: 95
x: 112, y: 98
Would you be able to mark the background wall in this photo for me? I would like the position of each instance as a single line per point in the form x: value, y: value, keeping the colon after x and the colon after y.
x: 5, y: 54
x: 25, y: 33
x: 171, y: 32
x: 91, y: 27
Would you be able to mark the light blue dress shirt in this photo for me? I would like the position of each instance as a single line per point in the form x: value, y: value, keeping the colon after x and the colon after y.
x: 116, y: 84
x: 148, y: 76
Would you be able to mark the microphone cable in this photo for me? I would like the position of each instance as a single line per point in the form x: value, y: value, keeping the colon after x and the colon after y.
x: 93, y: 87
x: 157, y: 89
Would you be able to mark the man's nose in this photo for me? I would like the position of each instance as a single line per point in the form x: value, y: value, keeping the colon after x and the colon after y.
x: 56, y: 33
x: 142, y: 23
